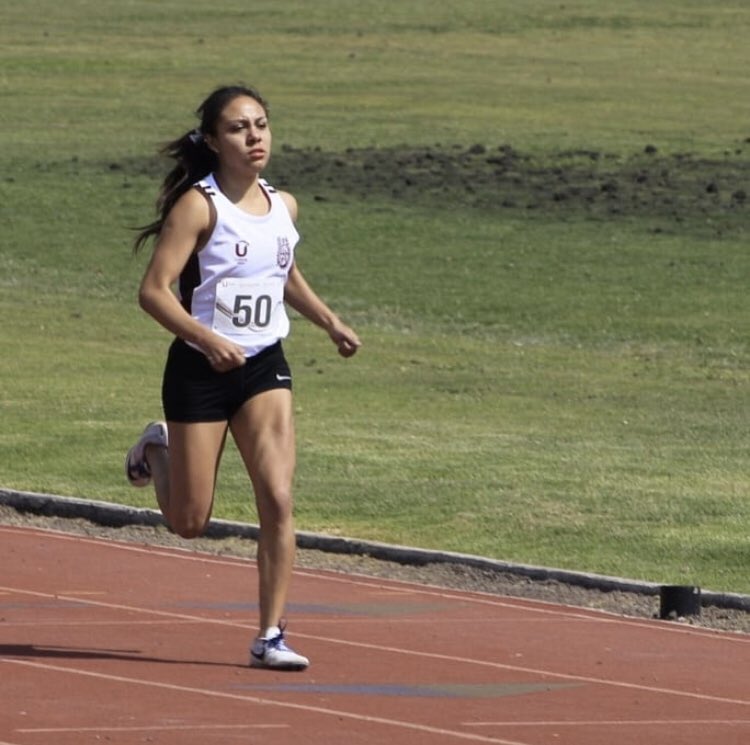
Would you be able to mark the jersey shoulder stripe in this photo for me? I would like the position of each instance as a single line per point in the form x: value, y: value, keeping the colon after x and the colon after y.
x: 207, y: 188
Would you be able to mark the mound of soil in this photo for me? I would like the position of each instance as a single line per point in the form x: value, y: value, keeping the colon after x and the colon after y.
x: 671, y: 188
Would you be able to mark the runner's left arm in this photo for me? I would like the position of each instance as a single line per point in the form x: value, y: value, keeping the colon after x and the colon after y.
x: 300, y: 296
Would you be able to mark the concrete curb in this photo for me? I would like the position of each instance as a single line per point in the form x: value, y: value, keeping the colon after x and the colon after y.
x: 114, y: 515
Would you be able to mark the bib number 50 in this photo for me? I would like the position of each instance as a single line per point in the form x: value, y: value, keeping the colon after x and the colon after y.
x: 251, y: 310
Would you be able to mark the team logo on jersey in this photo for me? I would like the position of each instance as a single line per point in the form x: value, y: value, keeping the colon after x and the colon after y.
x: 241, y: 248
x: 283, y: 252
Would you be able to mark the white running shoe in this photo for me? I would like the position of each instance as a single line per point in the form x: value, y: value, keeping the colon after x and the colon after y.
x: 137, y: 470
x: 271, y: 652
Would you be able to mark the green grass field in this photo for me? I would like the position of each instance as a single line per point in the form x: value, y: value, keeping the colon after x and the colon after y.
x: 542, y: 386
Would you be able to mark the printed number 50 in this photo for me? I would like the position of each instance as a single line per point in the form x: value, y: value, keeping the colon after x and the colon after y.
x: 252, y: 311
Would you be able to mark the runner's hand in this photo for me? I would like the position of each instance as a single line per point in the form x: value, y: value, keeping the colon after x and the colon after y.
x: 346, y: 341
x: 224, y: 355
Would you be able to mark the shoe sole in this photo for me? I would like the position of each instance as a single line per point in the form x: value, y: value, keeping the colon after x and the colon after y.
x: 257, y: 664
x: 141, y: 482
x: 134, y: 481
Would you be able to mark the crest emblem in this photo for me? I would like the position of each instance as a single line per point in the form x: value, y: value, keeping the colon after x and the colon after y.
x: 283, y: 252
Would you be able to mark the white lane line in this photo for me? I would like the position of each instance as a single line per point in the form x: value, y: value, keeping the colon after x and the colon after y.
x: 532, y: 671
x: 154, y: 728
x: 132, y: 622
x: 82, y: 592
x: 413, y: 726
x: 612, y: 723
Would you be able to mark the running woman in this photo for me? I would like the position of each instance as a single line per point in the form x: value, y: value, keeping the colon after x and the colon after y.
x: 225, y: 239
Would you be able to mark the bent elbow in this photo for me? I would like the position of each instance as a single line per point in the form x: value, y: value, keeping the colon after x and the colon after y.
x: 145, y: 298
x: 143, y: 302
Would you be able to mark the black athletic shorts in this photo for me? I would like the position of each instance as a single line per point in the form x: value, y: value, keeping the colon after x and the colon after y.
x: 192, y: 391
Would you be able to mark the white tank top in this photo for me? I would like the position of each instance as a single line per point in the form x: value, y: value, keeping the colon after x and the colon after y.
x: 235, y: 284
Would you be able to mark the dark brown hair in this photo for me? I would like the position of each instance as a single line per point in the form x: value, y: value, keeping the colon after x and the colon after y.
x: 194, y: 160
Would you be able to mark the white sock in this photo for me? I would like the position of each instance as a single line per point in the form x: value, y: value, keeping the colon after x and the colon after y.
x: 271, y: 632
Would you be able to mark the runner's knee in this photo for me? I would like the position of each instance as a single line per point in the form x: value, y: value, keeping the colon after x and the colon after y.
x: 189, y: 525
x: 275, y: 507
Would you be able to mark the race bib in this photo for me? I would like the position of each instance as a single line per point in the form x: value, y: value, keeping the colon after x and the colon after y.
x: 245, y: 306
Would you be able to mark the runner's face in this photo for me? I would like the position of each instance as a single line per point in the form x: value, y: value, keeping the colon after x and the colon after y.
x: 243, y: 137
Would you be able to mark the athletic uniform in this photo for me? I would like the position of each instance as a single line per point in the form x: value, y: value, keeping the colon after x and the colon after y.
x: 234, y: 285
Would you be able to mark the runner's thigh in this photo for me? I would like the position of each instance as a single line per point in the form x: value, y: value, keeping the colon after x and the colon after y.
x: 263, y: 429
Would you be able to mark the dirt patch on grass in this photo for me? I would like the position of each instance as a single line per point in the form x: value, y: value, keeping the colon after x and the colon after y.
x: 668, y: 189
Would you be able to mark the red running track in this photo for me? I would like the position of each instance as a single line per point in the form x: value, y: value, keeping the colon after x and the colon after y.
x: 108, y: 642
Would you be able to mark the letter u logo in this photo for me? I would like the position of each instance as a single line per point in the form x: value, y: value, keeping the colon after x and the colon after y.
x: 240, y: 249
